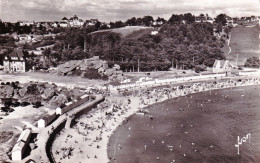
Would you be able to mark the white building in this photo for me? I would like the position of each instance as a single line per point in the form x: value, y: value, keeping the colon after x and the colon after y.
x: 202, y: 18
x: 14, y: 62
x: 154, y: 32
x: 92, y: 22
x: 221, y: 66
x: 26, y: 23
x: 75, y: 22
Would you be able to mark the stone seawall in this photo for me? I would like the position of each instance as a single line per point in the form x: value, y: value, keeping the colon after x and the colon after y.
x: 47, y: 135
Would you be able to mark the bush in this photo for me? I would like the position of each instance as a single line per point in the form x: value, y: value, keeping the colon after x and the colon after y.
x: 199, y: 69
x: 37, y: 104
x: 25, y: 103
x: 252, y: 62
x: 7, y: 109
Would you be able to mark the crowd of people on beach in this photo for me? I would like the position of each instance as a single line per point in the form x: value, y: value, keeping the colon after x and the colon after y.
x: 93, y: 130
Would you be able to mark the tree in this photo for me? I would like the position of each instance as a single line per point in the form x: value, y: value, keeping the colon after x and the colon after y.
x: 221, y: 19
x: 147, y: 20
x: 98, y: 25
x: 131, y: 22
x: 175, y: 19
x: 119, y: 24
x: 189, y: 18
x: 252, y: 62
x: 104, y: 26
x: 160, y: 20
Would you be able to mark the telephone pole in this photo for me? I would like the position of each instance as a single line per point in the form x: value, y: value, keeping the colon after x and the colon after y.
x: 237, y: 59
x: 138, y: 69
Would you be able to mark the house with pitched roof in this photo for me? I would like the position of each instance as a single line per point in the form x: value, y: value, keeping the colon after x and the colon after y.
x: 221, y: 66
x: 75, y: 22
x: 15, y: 61
x: 201, y: 18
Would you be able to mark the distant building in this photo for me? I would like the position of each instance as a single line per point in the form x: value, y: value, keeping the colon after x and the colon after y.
x: 15, y: 61
x: 154, y: 32
x: 221, y: 66
x: 203, y: 19
x: 26, y: 23
x: 75, y: 22
x: 91, y: 22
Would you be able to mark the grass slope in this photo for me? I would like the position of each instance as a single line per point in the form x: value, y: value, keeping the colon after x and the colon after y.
x: 244, y: 42
x: 128, y: 31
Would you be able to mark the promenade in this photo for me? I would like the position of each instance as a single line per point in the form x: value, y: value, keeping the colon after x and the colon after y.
x: 44, y: 134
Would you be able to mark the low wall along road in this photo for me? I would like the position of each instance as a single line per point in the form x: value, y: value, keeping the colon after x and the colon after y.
x: 47, y: 135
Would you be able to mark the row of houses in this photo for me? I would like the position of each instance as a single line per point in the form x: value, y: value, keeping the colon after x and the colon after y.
x: 74, y: 21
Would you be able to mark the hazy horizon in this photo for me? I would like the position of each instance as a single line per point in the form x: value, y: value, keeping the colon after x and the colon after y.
x: 55, y: 10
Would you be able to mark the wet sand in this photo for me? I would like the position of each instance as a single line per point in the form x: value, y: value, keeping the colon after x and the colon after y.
x: 199, y: 128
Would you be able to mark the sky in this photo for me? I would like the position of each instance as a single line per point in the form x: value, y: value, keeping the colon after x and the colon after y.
x: 114, y: 10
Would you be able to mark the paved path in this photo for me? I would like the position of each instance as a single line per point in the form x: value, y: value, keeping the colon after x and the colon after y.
x: 39, y: 154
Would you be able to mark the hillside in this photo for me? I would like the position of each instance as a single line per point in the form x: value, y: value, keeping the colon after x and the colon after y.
x: 183, y: 46
x: 244, y: 42
x: 127, y: 31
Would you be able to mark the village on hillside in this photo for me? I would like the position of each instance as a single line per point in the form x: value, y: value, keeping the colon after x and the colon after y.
x: 76, y: 90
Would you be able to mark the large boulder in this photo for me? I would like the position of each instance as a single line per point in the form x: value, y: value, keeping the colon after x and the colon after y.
x: 67, y: 67
x: 97, y: 64
x: 110, y: 71
x: 58, y: 100
x: 101, y: 70
x: 6, y: 91
x: 22, y: 91
x: 32, y: 99
x: 48, y: 93
x: 116, y: 66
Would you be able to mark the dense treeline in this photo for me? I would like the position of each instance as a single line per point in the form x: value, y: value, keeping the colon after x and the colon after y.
x: 182, y: 46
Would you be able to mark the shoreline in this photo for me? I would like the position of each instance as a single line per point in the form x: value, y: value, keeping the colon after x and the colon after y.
x: 98, y: 137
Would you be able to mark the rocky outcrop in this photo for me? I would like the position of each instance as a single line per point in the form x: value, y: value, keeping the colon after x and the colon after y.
x: 67, y: 67
x: 86, y: 65
x: 45, y: 94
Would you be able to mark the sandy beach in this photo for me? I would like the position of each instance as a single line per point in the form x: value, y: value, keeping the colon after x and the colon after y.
x: 92, y: 131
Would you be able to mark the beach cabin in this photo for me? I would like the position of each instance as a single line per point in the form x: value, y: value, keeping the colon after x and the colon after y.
x: 18, y: 150
x: 221, y: 66
x: 71, y: 105
x: 46, y: 120
x: 66, y: 108
x: 21, y: 144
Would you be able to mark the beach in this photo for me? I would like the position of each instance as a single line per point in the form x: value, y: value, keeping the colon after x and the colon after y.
x: 202, y: 127
x: 92, y: 131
